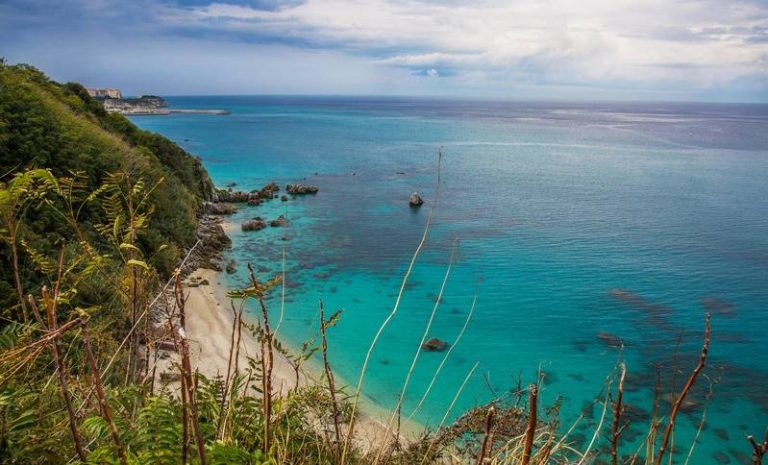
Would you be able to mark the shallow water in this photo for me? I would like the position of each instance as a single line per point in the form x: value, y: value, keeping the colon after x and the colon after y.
x: 571, y: 220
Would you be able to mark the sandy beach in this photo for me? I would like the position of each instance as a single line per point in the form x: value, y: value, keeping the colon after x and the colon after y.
x: 209, y: 318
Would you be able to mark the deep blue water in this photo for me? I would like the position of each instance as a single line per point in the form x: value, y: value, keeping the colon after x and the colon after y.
x: 571, y: 219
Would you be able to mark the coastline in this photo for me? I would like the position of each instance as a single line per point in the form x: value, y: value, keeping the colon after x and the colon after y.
x: 209, y: 322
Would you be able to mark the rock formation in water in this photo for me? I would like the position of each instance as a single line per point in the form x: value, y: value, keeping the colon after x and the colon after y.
x: 301, y: 189
x: 434, y: 345
x: 279, y: 221
x: 254, y: 224
x: 415, y: 200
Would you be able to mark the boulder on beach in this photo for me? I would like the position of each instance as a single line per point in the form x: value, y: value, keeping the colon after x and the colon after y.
x: 301, y: 189
x: 279, y: 221
x: 252, y: 225
x: 434, y: 345
x: 415, y: 200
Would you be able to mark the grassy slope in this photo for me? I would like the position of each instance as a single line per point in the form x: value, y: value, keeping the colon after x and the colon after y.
x: 44, y: 124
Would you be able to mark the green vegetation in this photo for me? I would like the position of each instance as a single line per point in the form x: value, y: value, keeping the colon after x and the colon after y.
x: 95, y: 215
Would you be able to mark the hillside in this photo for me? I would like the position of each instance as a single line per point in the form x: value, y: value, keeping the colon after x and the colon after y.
x: 59, y: 127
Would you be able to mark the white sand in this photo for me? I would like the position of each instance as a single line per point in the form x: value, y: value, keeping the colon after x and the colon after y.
x: 209, y: 319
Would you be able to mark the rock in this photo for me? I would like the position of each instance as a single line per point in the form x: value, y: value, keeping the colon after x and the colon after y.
x: 170, y: 377
x: 301, y: 189
x: 213, y: 240
x: 231, y: 267
x: 415, y: 200
x: 280, y: 221
x: 252, y: 225
x: 721, y: 458
x: 254, y: 202
x: 434, y: 345
x: 611, y: 340
x: 635, y: 414
x: 283, y: 198
x: 231, y: 185
x: 269, y: 190
x: 164, y: 344
x: 221, y: 196
x: 229, y: 195
x: 211, y: 208
x: 688, y: 405
x: 719, y: 307
x: 204, y: 282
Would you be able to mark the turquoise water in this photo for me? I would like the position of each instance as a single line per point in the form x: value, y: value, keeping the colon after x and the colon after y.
x: 571, y: 219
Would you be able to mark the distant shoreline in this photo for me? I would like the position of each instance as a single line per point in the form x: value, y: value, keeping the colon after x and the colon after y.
x: 145, y: 105
x: 164, y: 111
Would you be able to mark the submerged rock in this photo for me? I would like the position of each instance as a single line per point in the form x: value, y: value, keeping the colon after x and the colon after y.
x: 688, y: 404
x: 231, y: 267
x: 719, y: 307
x: 415, y: 200
x: 252, y: 225
x: 434, y: 345
x: 721, y: 458
x: 611, y: 340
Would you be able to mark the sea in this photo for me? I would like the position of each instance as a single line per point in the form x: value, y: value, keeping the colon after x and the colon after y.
x: 586, y: 234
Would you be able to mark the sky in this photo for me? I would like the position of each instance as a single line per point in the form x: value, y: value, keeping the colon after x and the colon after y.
x: 695, y: 50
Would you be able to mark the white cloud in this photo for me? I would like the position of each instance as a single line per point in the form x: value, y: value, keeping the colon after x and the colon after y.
x: 488, y: 47
x: 684, y: 42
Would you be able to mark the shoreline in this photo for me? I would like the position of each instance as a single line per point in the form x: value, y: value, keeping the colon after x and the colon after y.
x: 209, y: 321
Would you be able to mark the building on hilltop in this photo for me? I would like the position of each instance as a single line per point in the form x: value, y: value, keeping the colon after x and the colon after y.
x: 104, y: 93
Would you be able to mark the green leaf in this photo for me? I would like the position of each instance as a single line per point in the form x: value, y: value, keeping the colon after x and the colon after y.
x: 127, y: 246
x: 139, y: 263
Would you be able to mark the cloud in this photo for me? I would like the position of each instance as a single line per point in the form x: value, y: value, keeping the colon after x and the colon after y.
x: 695, y: 47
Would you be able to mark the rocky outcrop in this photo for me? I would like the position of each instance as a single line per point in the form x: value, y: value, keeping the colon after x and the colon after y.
x: 415, y: 200
x: 213, y: 241
x: 211, y: 208
x: 279, y: 222
x: 434, y: 345
x: 254, y: 197
x: 221, y: 196
x: 301, y: 189
x: 269, y: 190
x: 254, y: 224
